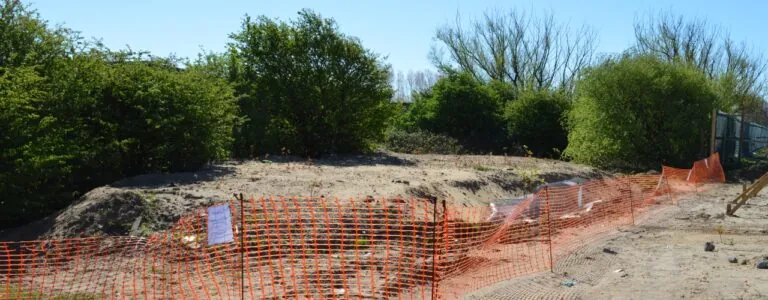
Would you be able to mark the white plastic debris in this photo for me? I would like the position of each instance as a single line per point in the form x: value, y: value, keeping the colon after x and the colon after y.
x: 494, y: 210
x: 339, y: 291
x: 190, y: 241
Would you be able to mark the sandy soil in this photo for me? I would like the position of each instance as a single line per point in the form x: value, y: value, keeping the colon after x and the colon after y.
x: 161, y: 199
x: 663, y: 257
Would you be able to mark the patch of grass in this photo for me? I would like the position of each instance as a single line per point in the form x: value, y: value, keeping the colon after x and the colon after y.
x: 482, y: 168
x: 18, y: 293
x: 144, y: 230
x: 531, y: 178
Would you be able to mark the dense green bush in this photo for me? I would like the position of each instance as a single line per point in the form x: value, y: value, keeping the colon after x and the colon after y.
x: 460, y: 107
x: 308, y: 89
x: 75, y: 118
x: 637, y: 112
x: 34, y: 151
x: 104, y: 121
x: 165, y: 120
x: 536, y: 119
x: 422, y: 142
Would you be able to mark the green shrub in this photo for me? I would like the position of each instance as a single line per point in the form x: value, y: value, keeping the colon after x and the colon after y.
x: 422, y: 142
x: 460, y: 107
x: 163, y: 120
x: 638, y: 112
x: 537, y: 120
x: 73, y: 119
x: 307, y: 88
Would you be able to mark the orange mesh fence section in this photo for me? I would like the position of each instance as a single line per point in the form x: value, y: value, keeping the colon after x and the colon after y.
x: 83, y: 268
x: 317, y: 248
x: 708, y: 170
x: 606, y: 205
x: 483, y: 246
x: 331, y: 248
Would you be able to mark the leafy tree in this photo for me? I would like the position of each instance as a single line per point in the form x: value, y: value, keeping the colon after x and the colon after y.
x: 74, y: 116
x: 308, y: 89
x: 34, y: 150
x: 27, y: 40
x: 536, y: 119
x: 166, y: 120
x: 460, y: 107
x: 638, y: 111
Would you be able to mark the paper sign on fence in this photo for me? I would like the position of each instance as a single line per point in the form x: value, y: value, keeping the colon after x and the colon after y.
x: 220, y: 225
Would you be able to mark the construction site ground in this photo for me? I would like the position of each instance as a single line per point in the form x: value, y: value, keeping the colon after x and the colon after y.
x: 663, y: 257
x: 161, y: 199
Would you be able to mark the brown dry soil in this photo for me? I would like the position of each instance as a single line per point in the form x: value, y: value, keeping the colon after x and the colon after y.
x: 663, y: 257
x: 150, y: 203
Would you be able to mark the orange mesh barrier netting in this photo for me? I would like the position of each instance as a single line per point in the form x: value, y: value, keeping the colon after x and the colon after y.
x: 328, y: 248
x: 708, y: 170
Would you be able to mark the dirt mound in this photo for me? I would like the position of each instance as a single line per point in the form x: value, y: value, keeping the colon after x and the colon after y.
x: 152, y: 202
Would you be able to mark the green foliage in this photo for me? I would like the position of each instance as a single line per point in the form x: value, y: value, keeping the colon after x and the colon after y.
x: 531, y: 178
x: 307, y: 88
x: 74, y: 119
x: 537, y: 120
x: 637, y: 112
x: 422, y: 142
x: 34, y: 150
x: 12, y: 292
x: 159, y: 119
x: 460, y: 107
x: 27, y: 40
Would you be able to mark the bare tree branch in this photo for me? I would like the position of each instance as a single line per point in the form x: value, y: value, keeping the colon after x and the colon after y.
x: 512, y: 47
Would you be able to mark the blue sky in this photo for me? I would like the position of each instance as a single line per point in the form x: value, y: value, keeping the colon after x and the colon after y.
x: 402, y: 30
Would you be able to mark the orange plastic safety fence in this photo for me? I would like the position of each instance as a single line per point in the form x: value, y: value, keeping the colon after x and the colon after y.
x: 318, y: 248
x: 708, y: 170
x: 331, y: 248
x: 482, y: 247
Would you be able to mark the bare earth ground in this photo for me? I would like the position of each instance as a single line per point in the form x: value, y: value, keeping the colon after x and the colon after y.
x: 161, y: 199
x: 663, y: 257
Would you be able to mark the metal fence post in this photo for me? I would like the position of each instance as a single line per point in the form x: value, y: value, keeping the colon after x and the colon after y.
x: 434, y: 249
x: 631, y: 200
x: 242, y: 245
x: 549, y: 229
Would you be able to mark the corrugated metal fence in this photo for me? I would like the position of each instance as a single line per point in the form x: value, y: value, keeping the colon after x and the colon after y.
x: 728, y: 133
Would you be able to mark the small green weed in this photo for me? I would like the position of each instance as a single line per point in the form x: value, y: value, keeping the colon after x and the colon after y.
x: 18, y: 293
x: 482, y: 168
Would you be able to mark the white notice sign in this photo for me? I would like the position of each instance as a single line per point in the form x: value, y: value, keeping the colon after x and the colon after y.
x: 220, y: 225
